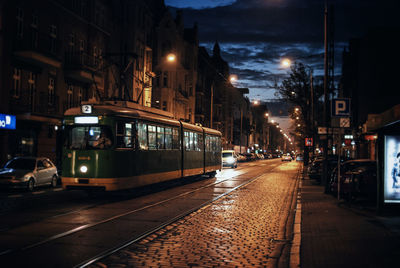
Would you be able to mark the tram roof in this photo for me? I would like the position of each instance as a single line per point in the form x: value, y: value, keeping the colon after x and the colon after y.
x: 103, y: 109
x: 139, y: 112
x: 212, y: 131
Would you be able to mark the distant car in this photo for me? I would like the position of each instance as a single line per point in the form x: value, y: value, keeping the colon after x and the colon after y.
x: 286, y: 157
x: 250, y: 156
x: 241, y: 158
x: 299, y: 157
x: 28, y: 172
x: 229, y: 158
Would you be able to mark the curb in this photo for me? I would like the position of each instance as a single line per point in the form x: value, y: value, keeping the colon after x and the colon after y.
x: 294, y: 261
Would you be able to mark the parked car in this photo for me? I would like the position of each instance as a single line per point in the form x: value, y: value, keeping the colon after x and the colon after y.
x: 299, y: 157
x: 286, y: 157
x: 267, y: 156
x: 28, y: 172
x: 229, y: 158
x: 250, y: 156
x: 260, y: 156
x: 316, y: 167
x: 241, y: 158
x: 358, y: 177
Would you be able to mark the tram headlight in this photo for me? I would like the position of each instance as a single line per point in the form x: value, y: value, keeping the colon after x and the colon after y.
x: 83, y: 169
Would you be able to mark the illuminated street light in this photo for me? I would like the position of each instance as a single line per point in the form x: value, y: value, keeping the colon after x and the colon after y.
x: 233, y: 78
x: 285, y: 63
x: 266, y: 114
x: 272, y: 121
x: 171, y: 57
x: 296, y: 109
x: 298, y: 125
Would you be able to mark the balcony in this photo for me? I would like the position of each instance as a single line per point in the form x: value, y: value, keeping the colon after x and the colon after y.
x: 83, y: 67
x: 41, y: 50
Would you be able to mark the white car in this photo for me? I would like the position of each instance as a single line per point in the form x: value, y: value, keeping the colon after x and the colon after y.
x: 286, y: 157
x: 28, y: 172
x: 229, y: 158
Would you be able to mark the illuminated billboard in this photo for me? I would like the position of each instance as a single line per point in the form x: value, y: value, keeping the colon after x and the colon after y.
x: 391, y: 173
x: 7, y: 121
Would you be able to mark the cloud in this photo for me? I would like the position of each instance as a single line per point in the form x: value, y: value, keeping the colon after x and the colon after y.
x: 255, y: 35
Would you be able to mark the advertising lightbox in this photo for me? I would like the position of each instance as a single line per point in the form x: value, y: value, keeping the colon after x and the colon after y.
x: 7, y: 121
x: 391, y: 173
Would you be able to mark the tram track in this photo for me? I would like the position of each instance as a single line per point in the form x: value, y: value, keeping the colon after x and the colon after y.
x: 68, y: 235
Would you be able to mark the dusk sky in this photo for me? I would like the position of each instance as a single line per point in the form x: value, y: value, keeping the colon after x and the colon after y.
x: 254, y: 35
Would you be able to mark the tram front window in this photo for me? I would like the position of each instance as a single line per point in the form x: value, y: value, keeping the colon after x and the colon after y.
x: 89, y: 137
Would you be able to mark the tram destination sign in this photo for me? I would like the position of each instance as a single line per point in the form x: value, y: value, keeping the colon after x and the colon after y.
x: 7, y: 121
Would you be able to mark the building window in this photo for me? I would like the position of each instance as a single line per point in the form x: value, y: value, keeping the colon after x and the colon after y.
x: 82, y: 51
x: 70, y: 96
x: 17, y: 83
x: 71, y: 43
x: 164, y: 106
x: 20, y: 23
x: 80, y: 95
x: 53, y: 39
x: 83, y: 8
x: 32, y: 89
x: 35, y: 31
x: 51, y: 89
x: 95, y: 54
x: 165, y: 82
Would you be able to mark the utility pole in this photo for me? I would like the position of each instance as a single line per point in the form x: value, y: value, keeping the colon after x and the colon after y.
x: 325, y: 113
x: 212, y: 104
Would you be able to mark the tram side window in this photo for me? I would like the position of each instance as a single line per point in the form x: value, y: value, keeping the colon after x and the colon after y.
x: 125, y: 135
x: 200, y: 143
x: 176, y: 142
x: 152, y: 137
x: 168, y: 138
x: 207, y: 143
x: 186, y: 140
x: 142, y: 135
x: 191, y: 141
x: 160, y: 138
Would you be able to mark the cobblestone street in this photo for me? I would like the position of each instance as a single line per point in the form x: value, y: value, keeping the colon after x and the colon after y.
x: 246, y: 228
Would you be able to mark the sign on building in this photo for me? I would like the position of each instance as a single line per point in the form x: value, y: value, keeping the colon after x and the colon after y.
x: 7, y: 121
x: 309, y: 142
x: 340, y: 107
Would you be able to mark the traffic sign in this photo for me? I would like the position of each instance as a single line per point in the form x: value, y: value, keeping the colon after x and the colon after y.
x: 345, y: 122
x: 340, y: 107
x: 308, y: 142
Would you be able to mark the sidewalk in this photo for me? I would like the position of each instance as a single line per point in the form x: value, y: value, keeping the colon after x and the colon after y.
x: 334, y: 234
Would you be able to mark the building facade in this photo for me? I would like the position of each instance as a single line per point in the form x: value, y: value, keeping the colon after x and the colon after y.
x: 51, y: 62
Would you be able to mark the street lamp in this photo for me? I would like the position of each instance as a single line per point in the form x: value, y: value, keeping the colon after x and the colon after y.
x: 285, y: 63
x: 171, y: 57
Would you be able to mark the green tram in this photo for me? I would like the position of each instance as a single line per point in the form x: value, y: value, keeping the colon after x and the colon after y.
x: 111, y: 147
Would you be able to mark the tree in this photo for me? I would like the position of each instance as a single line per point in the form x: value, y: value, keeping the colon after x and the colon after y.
x: 296, y: 90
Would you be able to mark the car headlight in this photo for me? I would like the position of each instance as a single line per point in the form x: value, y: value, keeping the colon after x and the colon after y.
x: 230, y: 160
x: 24, y: 178
x: 83, y: 169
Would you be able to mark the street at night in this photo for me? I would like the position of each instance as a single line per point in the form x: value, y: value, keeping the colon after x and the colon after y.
x: 186, y: 133
x: 207, y: 213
